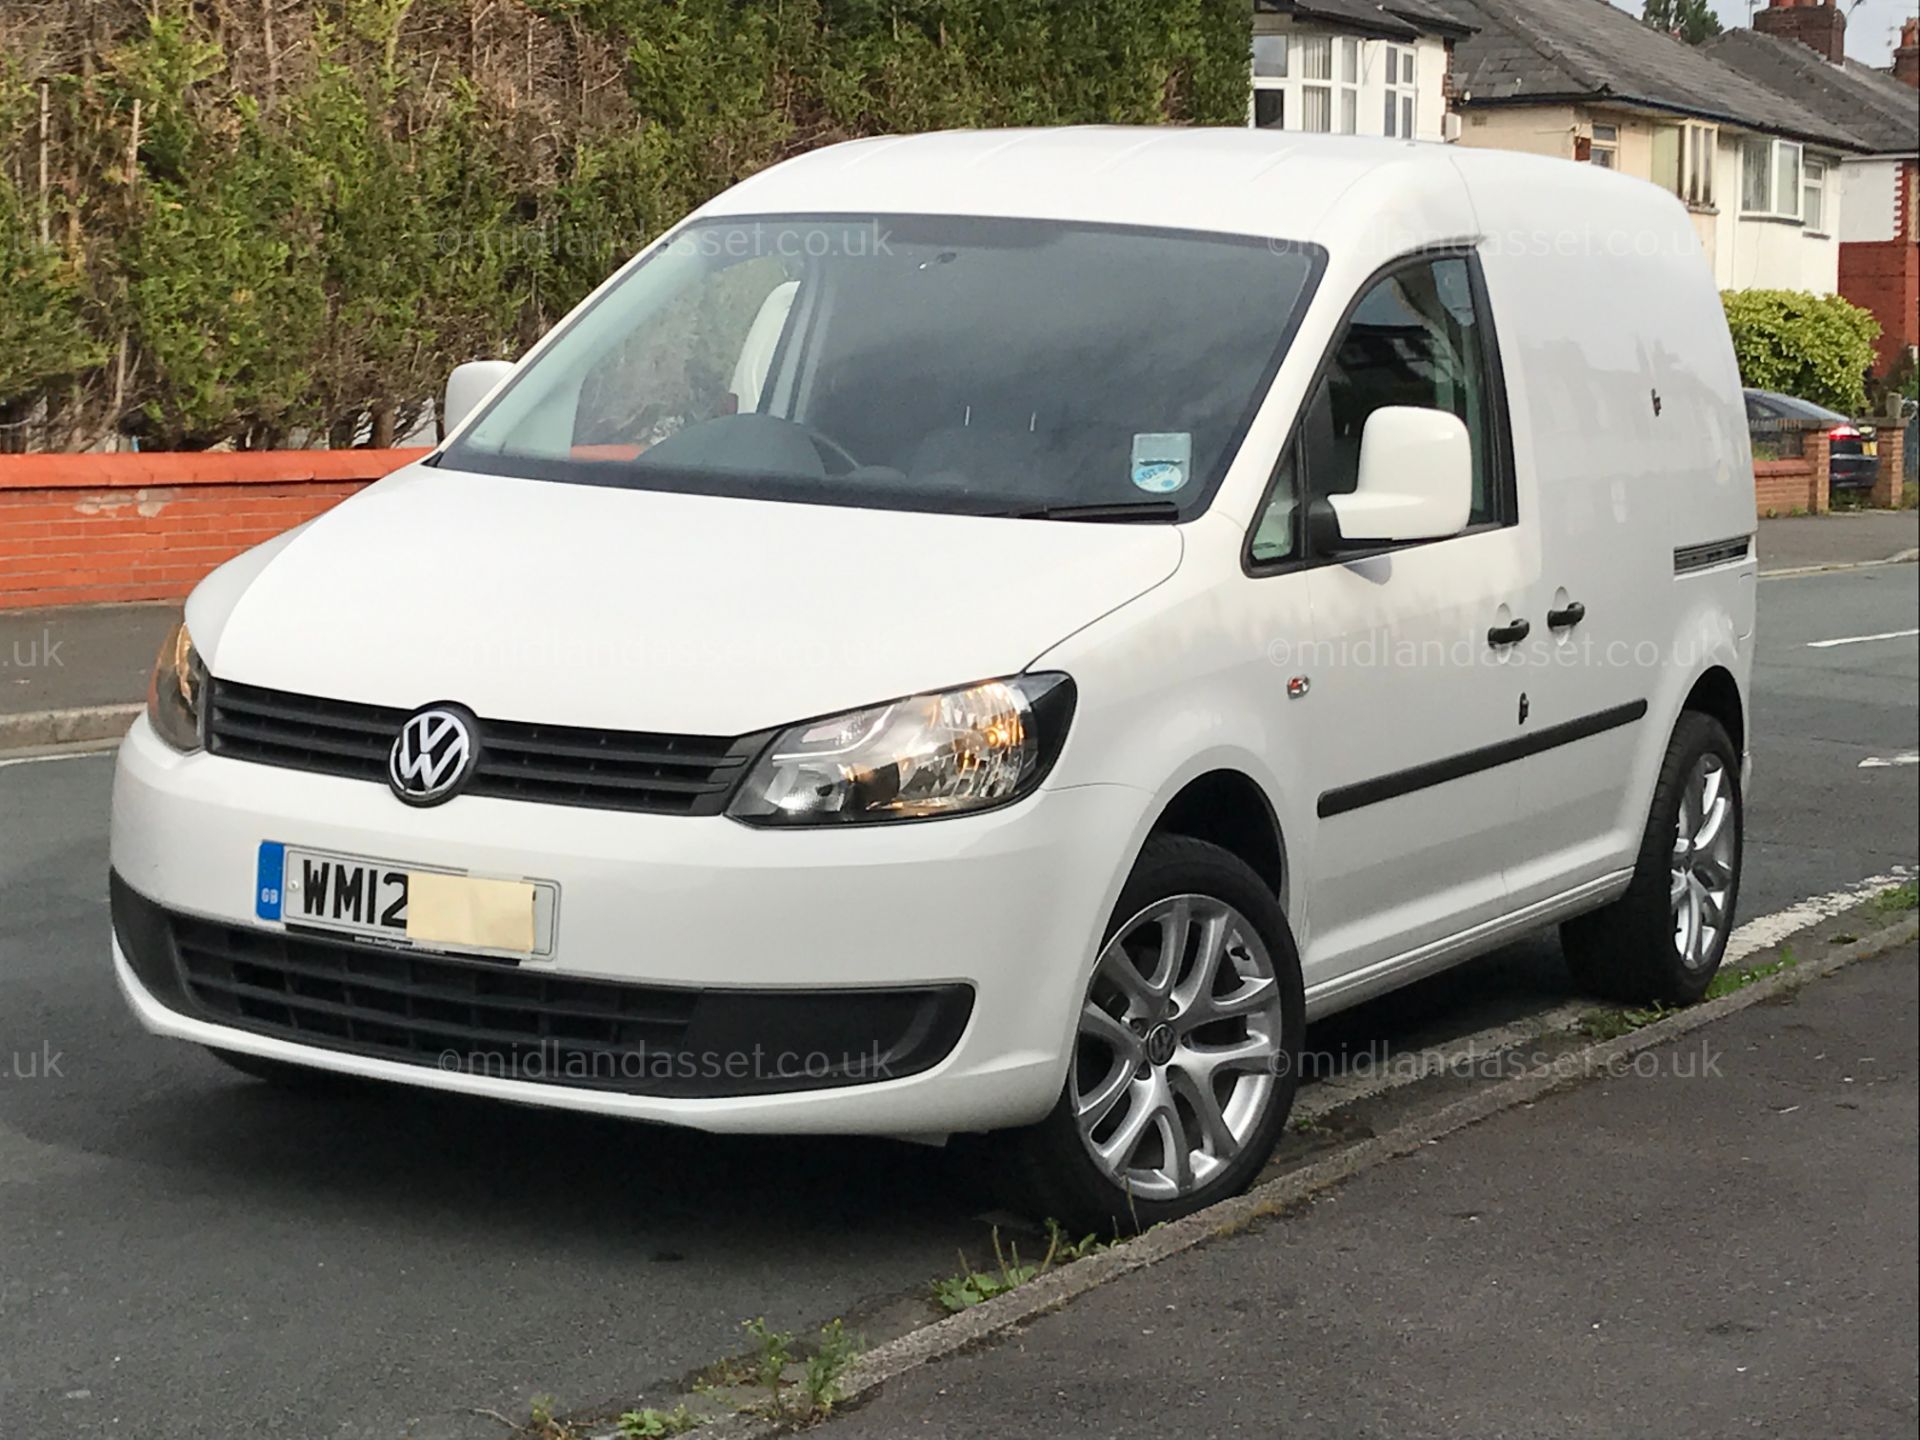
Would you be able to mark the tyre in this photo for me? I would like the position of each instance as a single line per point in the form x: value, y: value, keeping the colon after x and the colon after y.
x: 1186, y: 1055
x: 303, y: 1078
x: 1663, y: 940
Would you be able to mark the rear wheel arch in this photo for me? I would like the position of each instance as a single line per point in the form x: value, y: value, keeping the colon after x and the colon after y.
x: 1717, y: 694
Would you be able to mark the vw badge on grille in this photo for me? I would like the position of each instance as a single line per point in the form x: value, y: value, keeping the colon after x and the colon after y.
x: 432, y: 755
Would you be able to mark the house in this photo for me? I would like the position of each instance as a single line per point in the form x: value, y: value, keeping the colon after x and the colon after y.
x: 1353, y: 67
x: 1585, y: 80
x: 1797, y: 48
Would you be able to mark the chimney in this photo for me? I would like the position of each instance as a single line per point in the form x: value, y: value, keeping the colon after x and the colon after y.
x: 1817, y: 24
x: 1906, y: 57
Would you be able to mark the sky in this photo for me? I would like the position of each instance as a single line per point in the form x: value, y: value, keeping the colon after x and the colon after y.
x: 1872, y: 25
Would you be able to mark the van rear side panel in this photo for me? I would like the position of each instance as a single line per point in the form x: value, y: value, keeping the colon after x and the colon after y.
x: 1630, y: 445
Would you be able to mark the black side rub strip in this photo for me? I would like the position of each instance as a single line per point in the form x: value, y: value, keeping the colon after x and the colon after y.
x: 1472, y: 762
x: 1689, y: 558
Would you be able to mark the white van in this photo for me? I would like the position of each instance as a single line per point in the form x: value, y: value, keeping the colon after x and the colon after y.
x: 989, y: 632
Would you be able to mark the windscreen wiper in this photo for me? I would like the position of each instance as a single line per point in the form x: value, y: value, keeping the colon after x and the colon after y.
x: 1113, y: 512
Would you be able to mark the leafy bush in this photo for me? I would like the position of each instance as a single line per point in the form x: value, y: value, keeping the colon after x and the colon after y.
x: 269, y: 220
x: 43, y: 333
x: 1818, y: 347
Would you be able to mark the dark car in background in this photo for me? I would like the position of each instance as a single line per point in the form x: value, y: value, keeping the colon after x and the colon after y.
x: 1854, y: 457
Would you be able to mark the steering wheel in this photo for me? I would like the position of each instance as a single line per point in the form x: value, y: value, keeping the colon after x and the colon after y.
x: 830, y: 448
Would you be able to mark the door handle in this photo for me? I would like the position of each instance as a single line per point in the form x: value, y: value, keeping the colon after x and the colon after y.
x: 1568, y: 618
x: 1503, y: 635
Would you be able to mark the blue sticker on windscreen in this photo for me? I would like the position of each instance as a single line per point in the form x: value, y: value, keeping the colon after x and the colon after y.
x: 1162, y: 462
x: 270, y: 879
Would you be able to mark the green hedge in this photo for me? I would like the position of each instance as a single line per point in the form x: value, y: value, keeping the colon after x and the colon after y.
x: 330, y: 204
x: 1819, y: 347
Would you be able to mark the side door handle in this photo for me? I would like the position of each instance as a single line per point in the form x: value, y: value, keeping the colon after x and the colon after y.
x: 1501, y: 636
x: 1568, y: 618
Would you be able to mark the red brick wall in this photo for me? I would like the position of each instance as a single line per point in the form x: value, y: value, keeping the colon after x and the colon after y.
x: 100, y: 529
x: 1884, y: 275
x: 1781, y: 487
x: 1890, y: 478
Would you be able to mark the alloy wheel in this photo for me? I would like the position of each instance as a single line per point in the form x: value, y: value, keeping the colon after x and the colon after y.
x: 1703, y: 861
x: 1179, y: 1041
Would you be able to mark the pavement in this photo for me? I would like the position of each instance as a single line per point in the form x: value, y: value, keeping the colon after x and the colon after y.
x: 1720, y: 1241
x: 69, y: 673
x: 185, y: 1254
x: 1844, y: 537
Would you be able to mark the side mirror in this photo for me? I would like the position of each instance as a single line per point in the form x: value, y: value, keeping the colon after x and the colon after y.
x: 467, y: 386
x: 1416, y: 478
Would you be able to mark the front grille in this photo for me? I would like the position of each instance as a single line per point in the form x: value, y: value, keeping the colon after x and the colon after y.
x: 498, y: 1018
x: 545, y: 764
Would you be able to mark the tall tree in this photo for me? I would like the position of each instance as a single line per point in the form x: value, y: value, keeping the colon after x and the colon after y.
x: 1690, y: 20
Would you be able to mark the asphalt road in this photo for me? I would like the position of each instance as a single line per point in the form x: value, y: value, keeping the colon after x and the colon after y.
x: 185, y: 1255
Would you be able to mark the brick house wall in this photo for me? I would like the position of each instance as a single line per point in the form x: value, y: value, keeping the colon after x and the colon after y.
x: 1884, y: 275
x: 104, y: 529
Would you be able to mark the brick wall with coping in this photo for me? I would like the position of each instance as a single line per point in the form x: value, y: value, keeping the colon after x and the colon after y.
x: 105, y: 529
x: 1800, y: 484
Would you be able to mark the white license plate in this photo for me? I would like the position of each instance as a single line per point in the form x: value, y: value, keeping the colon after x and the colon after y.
x: 405, y: 904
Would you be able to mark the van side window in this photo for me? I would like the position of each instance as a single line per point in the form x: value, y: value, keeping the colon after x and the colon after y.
x: 1415, y: 338
x: 1274, y: 537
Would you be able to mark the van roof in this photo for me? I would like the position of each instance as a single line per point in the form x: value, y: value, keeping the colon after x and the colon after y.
x: 1238, y: 181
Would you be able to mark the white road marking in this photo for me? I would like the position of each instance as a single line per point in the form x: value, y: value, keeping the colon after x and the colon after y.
x: 1861, y: 639
x: 67, y: 755
x: 1877, y: 762
x: 1480, y: 1053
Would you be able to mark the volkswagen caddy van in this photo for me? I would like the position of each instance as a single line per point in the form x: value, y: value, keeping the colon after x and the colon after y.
x: 988, y: 633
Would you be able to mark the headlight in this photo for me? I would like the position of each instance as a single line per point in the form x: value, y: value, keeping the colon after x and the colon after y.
x: 950, y: 753
x: 173, y: 697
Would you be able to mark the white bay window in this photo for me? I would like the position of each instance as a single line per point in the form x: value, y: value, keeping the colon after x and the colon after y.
x: 1770, y: 178
x: 1813, y: 198
x: 1398, y: 116
x: 1331, y: 84
x: 1683, y: 160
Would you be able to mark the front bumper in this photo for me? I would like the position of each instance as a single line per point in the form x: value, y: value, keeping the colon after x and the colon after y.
x: 1005, y: 906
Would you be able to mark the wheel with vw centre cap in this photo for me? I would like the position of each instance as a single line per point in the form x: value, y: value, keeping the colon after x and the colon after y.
x: 1186, y: 1052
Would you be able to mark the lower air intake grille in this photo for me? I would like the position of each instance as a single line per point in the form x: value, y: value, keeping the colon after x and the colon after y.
x: 499, y: 1019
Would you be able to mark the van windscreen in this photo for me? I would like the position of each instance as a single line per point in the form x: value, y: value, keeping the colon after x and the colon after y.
x: 975, y: 366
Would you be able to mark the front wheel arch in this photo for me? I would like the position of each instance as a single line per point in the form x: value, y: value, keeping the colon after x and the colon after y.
x: 1227, y: 808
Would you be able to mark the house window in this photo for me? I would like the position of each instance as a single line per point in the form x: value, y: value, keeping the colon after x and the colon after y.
x: 1770, y: 178
x: 1349, y: 119
x: 1316, y: 83
x: 1683, y: 157
x: 1269, y: 81
x: 1606, y: 147
x: 1813, y: 198
x: 1307, y: 82
x: 1701, y: 146
x: 1398, y: 116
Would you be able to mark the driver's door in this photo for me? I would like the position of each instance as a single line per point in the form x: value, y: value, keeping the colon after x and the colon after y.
x: 1414, y: 688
